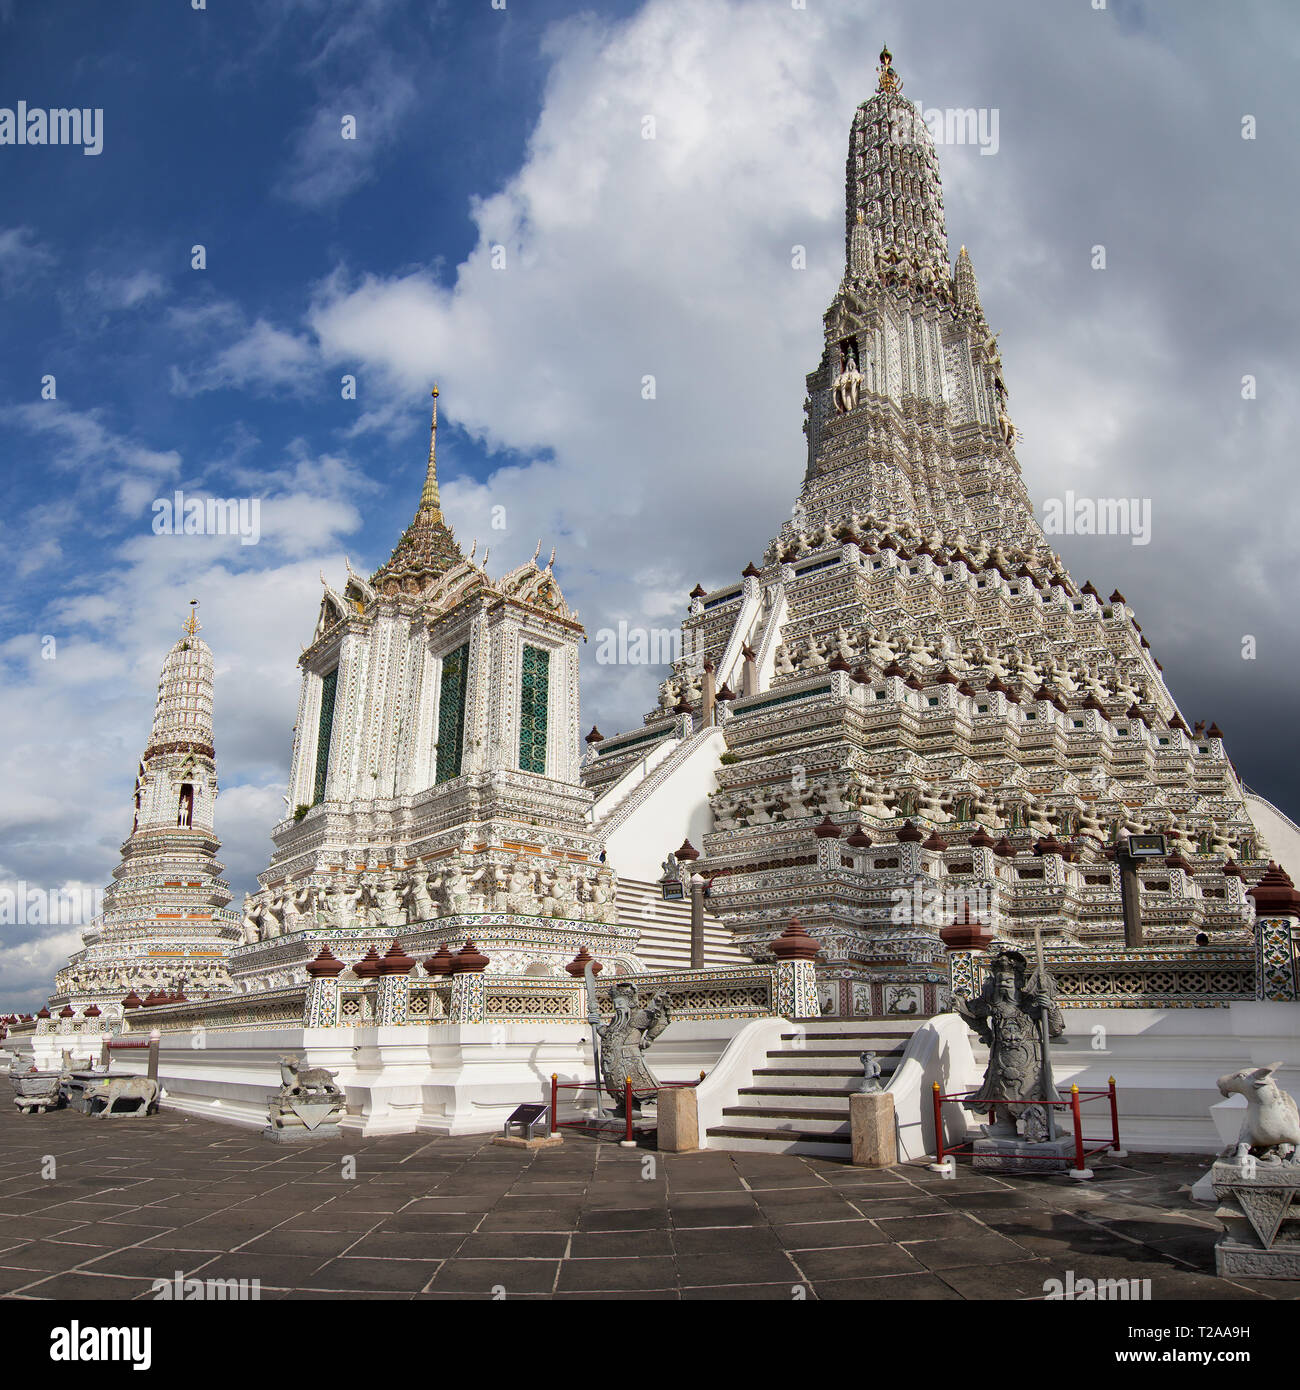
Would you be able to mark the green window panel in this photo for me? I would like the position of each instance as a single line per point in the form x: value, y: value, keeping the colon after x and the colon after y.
x: 534, y: 700
x: 451, y: 714
x: 328, y: 690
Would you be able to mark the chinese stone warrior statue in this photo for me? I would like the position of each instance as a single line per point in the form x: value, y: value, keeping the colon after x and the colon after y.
x: 1008, y: 1015
x: 623, y: 1040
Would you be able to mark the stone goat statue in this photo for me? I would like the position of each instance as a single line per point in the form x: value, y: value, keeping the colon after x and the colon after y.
x: 297, y: 1080
x: 1271, y: 1127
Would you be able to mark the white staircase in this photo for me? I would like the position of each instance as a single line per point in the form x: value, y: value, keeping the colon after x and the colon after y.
x: 799, y: 1101
x: 665, y: 927
x: 615, y: 805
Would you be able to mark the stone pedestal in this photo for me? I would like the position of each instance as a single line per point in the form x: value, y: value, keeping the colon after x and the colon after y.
x: 1261, y: 1238
x: 298, y: 1134
x: 517, y: 1141
x: 679, y: 1120
x: 1009, y: 1155
x: 294, y: 1118
x: 874, y: 1132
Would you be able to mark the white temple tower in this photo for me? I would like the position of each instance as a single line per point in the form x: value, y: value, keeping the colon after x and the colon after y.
x: 911, y: 704
x: 165, y: 927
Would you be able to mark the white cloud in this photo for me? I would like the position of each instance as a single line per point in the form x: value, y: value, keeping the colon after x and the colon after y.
x: 326, y: 167
x: 119, y: 292
x: 260, y: 359
x: 22, y: 257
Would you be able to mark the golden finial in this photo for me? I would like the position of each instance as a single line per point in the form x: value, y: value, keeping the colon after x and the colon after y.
x: 429, y: 497
x: 889, y: 81
x: 192, y: 622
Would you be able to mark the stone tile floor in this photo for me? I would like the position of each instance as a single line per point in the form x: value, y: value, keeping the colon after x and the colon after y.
x: 435, y: 1218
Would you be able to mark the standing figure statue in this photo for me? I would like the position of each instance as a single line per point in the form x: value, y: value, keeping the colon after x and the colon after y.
x: 871, y: 1070
x: 388, y: 901
x: 251, y: 927
x: 423, y: 908
x: 623, y: 1040
x: 846, y: 386
x: 1008, y: 1015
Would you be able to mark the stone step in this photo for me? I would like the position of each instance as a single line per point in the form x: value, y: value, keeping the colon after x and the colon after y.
x: 842, y: 1052
x: 786, y: 1108
x: 818, y: 1067
x: 783, y: 1141
x: 821, y: 1032
x: 799, y: 1122
x: 806, y: 1086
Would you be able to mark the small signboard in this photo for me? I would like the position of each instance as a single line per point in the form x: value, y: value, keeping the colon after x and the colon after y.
x: 673, y: 890
x: 1146, y: 847
x: 528, y: 1117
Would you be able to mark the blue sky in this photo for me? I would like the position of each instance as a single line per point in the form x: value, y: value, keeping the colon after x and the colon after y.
x: 479, y: 127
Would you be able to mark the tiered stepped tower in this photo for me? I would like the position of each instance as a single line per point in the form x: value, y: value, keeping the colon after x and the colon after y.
x: 165, y: 927
x: 911, y: 706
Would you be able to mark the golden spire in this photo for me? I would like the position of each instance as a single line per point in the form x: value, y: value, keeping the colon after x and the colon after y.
x: 889, y: 80
x: 192, y: 622
x: 429, y: 497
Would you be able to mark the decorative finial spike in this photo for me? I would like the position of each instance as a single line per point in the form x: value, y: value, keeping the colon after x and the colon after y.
x: 888, y: 80
x: 429, y: 497
x: 192, y: 622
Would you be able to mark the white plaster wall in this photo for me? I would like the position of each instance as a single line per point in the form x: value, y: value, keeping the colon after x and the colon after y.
x: 441, y: 1079
x: 1166, y: 1063
x: 1281, y: 832
x: 678, y: 809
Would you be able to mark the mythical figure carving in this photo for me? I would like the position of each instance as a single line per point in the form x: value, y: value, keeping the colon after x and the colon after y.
x: 625, y: 1039
x: 602, y: 907
x: 562, y: 893
x: 340, y: 904
x: 422, y: 906
x: 1007, y: 1015
x: 295, y: 905
x: 455, y: 884
x: 520, y: 894
x: 251, y: 927
x: 388, y: 902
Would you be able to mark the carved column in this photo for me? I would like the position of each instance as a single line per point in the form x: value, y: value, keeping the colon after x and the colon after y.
x: 1277, y: 905
x: 392, y: 1000
x: 321, y: 1005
